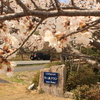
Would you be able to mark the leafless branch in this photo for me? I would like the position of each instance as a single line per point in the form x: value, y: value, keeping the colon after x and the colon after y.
x: 22, y: 6
x: 72, y: 2
x: 7, y: 9
x: 37, y: 7
x: 57, y: 5
x: 52, y: 4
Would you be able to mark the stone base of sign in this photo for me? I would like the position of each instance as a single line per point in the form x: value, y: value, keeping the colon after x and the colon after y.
x: 54, y: 89
x: 69, y: 95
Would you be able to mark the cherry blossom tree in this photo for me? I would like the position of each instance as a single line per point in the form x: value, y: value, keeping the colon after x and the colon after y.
x: 31, y: 23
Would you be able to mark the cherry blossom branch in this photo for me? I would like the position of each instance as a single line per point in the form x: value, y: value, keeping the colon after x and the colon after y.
x: 42, y: 14
x: 80, y: 30
x: 26, y: 38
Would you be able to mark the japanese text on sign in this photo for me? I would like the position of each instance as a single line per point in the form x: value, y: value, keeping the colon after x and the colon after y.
x: 50, y: 78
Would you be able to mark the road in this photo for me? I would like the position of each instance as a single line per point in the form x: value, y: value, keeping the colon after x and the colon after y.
x: 32, y: 62
x: 28, y: 68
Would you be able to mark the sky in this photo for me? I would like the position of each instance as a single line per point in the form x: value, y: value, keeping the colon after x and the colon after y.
x: 64, y: 1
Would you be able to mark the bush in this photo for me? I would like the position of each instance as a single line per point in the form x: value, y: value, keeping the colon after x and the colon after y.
x: 85, y: 92
x: 85, y: 76
x: 93, y: 93
x: 80, y: 92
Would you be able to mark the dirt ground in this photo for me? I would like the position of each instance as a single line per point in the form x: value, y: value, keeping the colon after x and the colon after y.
x: 19, y: 91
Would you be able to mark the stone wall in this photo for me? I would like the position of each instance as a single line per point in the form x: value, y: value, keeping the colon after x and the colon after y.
x: 54, y: 89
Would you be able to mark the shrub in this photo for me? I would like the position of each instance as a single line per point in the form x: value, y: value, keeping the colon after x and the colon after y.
x: 85, y: 92
x: 80, y: 92
x: 85, y: 76
x: 93, y: 93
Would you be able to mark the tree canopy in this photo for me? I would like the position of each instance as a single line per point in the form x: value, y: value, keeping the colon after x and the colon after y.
x: 31, y: 23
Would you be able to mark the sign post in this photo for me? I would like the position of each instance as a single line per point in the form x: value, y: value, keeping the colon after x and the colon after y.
x: 50, y: 78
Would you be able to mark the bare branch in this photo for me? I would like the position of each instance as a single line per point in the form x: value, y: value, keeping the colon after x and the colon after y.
x: 37, y: 7
x: 52, y: 4
x: 57, y: 5
x: 6, y: 7
x: 22, y: 6
x: 72, y: 2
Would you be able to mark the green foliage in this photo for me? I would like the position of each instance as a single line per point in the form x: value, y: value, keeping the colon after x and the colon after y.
x: 80, y: 92
x: 98, y: 75
x: 53, y: 64
x: 85, y: 92
x: 93, y: 93
x: 90, y: 51
x: 85, y: 76
x: 36, y: 79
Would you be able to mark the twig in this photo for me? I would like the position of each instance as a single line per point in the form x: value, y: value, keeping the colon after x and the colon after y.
x: 57, y: 5
x: 25, y: 9
x: 37, y: 7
